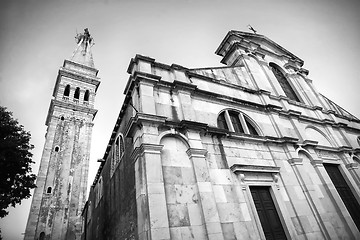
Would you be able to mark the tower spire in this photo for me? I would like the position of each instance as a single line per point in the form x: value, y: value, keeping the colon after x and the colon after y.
x: 82, y: 53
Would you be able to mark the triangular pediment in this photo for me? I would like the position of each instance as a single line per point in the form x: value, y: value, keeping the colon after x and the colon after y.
x: 253, y: 43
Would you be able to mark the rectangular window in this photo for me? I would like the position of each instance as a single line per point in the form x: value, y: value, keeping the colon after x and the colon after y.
x: 345, y: 192
x: 267, y: 213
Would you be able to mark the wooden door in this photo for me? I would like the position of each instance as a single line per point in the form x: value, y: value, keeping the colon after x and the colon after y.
x: 268, y: 215
x: 345, y: 192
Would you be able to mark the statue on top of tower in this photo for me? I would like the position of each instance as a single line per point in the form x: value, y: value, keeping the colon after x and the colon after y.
x: 84, y: 38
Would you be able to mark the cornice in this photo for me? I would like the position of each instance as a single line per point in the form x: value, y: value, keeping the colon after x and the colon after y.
x: 145, y: 148
x: 352, y: 166
x: 56, y: 103
x: 80, y: 65
x: 315, y: 145
x: 79, y: 76
x: 136, y: 59
x: 178, y: 85
x: 295, y: 161
x: 206, y: 129
x: 63, y: 72
x: 254, y: 168
x: 196, y: 153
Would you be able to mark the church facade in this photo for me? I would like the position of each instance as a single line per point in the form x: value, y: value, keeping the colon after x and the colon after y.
x: 249, y: 150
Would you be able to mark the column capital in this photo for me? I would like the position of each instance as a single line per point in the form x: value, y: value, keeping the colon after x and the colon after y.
x: 196, y: 152
x: 352, y: 166
x: 295, y: 161
x: 146, y: 148
x: 317, y: 162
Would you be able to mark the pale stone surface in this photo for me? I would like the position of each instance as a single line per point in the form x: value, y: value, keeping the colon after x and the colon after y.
x: 157, y: 209
x: 195, y: 214
x: 178, y: 215
x: 160, y: 233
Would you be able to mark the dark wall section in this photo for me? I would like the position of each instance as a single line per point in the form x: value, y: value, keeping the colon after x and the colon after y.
x: 115, y: 215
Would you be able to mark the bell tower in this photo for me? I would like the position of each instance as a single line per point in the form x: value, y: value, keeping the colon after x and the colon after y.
x: 60, y: 195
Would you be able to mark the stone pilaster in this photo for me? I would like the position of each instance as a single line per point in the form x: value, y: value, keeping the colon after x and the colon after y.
x: 153, y: 222
x: 207, y: 197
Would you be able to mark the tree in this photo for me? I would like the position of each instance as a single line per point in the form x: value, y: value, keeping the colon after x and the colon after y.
x: 16, y: 179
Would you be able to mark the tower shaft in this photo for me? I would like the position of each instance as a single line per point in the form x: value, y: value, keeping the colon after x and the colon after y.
x: 60, y: 195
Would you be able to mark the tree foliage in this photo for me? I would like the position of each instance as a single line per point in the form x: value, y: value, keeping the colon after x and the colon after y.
x: 16, y: 179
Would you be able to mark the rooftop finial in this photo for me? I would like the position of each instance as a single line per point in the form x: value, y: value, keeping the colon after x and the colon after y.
x: 84, y: 38
x: 82, y: 53
x: 251, y: 28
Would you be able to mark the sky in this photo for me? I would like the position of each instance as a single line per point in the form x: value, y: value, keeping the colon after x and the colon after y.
x: 36, y: 37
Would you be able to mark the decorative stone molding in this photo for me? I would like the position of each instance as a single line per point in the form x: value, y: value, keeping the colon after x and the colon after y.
x: 68, y: 63
x: 56, y: 103
x: 290, y: 113
x: 345, y: 149
x: 256, y: 173
x: 140, y: 118
x: 196, y: 152
x: 352, y: 166
x: 356, y: 151
x: 317, y: 108
x: 295, y: 161
x: 178, y: 85
x: 327, y: 121
x: 317, y: 162
x: 327, y: 148
x: 146, y: 148
x: 193, y: 125
x: 326, y: 155
x: 310, y: 143
x: 143, y: 77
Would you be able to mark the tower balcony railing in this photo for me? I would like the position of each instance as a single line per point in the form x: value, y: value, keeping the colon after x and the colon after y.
x: 76, y: 101
x: 65, y: 98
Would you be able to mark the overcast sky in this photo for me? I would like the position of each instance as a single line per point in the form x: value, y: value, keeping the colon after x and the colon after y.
x: 36, y: 37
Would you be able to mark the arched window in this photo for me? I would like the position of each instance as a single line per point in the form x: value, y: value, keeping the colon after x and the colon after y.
x: 57, y: 149
x: 118, y: 152
x: 285, y: 85
x: 48, y: 190
x: 67, y: 91
x: 99, y: 192
x: 89, y: 212
x: 236, y: 122
x: 42, y: 236
x: 86, y: 96
x: 77, y: 93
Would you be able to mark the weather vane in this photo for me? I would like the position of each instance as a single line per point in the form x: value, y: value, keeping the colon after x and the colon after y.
x: 251, y: 28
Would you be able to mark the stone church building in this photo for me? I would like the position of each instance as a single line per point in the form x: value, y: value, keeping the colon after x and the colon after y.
x: 248, y: 150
